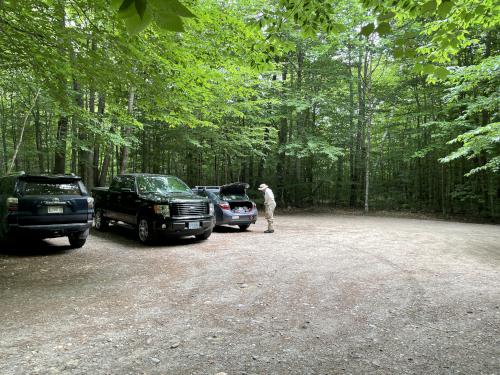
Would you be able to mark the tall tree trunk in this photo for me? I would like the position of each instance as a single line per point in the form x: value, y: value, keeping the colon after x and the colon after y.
x: 3, y: 125
x: 126, y: 132
x: 282, y: 139
x: 62, y: 124
x: 60, y: 153
x: 38, y: 140
x: 96, y: 157
x: 23, y: 128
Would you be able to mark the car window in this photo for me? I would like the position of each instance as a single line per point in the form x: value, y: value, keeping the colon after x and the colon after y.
x: 127, y: 182
x: 161, y: 185
x: 115, y: 184
x: 234, y: 197
x: 50, y: 188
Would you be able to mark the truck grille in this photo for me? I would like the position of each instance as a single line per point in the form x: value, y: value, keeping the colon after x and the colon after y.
x: 189, y: 209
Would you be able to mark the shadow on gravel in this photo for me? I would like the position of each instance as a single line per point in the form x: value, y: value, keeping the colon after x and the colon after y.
x: 31, y: 248
x: 126, y: 236
x: 226, y: 229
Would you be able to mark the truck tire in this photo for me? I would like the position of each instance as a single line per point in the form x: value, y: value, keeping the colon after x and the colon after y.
x: 145, y: 231
x: 100, y: 222
x: 244, y: 227
x: 75, y: 241
x: 204, y: 235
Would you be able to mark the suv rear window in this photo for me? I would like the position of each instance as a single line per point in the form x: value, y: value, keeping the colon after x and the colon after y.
x: 50, y: 188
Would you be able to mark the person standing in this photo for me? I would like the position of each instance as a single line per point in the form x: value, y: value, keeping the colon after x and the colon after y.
x: 270, y: 205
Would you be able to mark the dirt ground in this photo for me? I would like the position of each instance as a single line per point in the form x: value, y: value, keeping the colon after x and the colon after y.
x: 325, y: 294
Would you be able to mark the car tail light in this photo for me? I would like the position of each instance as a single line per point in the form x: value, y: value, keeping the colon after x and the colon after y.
x: 224, y: 206
x: 90, y: 202
x: 12, y: 204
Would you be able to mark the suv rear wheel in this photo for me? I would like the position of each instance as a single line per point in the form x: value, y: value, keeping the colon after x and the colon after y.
x: 75, y: 241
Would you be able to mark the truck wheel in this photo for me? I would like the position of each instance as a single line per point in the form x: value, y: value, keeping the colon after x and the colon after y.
x: 204, y: 235
x: 145, y: 231
x: 100, y: 222
x: 75, y: 241
x: 244, y: 227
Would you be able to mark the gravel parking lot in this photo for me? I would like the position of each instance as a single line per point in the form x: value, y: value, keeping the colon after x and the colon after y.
x: 325, y: 294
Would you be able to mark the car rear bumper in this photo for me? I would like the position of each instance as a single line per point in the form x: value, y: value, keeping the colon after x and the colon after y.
x: 49, y: 230
x: 229, y: 218
x: 180, y: 227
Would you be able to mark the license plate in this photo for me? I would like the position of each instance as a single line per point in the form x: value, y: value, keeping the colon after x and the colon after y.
x: 55, y: 210
x: 236, y: 217
x: 194, y: 225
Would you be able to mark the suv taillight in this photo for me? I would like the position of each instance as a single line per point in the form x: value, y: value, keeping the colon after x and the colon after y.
x: 224, y: 206
x: 12, y: 204
x: 90, y: 202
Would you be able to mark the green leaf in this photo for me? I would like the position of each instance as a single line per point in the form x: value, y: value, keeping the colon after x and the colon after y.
x: 445, y: 8
x: 367, y: 29
x: 441, y: 72
x: 384, y: 28
x: 170, y: 22
x: 140, y: 5
x: 428, y: 69
x: 429, y: 7
x: 399, y: 53
x: 126, y: 9
x: 386, y: 16
x: 136, y: 24
x: 180, y: 9
x: 116, y: 4
x: 172, y: 7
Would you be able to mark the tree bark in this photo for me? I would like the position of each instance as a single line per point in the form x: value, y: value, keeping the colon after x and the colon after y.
x: 126, y: 132
x: 23, y: 128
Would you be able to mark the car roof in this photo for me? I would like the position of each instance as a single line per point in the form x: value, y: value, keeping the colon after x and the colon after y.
x: 48, y: 177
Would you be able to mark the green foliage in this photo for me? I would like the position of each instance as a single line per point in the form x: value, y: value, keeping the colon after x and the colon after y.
x: 138, y: 14
x: 481, y: 141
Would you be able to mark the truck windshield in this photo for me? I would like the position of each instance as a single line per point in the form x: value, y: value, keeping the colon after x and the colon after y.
x: 161, y: 185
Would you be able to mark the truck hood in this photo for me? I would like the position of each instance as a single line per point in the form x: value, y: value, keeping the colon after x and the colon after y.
x: 236, y: 188
x: 172, y: 197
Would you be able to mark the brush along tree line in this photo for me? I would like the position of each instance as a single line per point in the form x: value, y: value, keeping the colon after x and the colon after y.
x: 374, y: 104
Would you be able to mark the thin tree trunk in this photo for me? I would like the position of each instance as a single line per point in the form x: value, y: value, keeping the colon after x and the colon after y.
x: 20, y: 139
x: 126, y: 132
x: 38, y: 140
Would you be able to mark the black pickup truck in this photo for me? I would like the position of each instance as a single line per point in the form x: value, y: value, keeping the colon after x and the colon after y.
x: 156, y: 205
x: 45, y: 206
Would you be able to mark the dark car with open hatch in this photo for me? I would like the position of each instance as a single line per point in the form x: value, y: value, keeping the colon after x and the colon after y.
x: 156, y: 205
x: 232, y: 204
x: 45, y: 206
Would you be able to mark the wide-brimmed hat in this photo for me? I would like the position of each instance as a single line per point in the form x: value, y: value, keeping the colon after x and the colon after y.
x: 263, y: 187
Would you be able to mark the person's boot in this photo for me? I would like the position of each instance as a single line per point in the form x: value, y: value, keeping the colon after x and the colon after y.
x: 270, y: 229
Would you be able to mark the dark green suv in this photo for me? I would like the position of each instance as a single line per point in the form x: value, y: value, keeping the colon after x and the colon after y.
x: 45, y: 206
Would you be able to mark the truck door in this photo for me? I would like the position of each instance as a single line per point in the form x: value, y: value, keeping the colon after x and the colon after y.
x: 113, y: 203
x: 129, y: 200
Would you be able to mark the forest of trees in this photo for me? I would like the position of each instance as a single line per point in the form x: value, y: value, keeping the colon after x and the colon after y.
x: 370, y: 105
